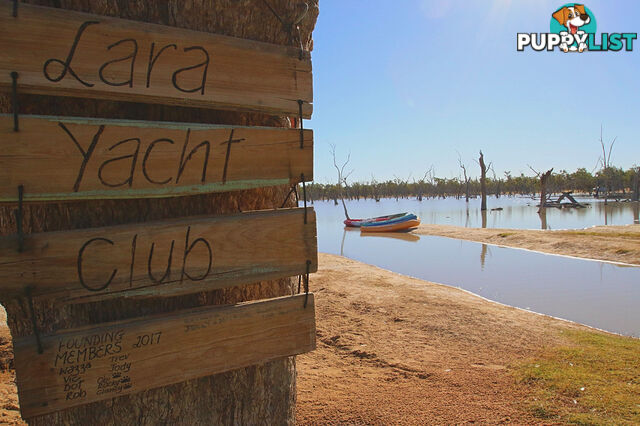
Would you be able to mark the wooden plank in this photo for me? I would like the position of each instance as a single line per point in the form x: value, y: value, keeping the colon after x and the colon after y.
x: 58, y: 158
x: 86, y: 365
x: 175, y: 256
x: 67, y: 53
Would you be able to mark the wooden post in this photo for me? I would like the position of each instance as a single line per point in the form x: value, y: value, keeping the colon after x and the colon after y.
x: 260, y: 394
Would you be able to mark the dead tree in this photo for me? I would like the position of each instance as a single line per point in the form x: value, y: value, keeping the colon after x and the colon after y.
x: 544, y: 177
x: 342, y: 177
x: 483, y: 181
x: 466, y: 178
x: 605, y: 160
x: 496, y: 182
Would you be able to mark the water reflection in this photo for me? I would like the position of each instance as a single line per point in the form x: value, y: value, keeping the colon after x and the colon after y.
x: 594, y: 293
x: 517, y: 212
x: 483, y: 256
x: 402, y: 236
x: 398, y: 236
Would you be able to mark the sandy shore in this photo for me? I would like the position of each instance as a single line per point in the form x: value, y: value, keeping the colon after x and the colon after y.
x: 398, y: 350
x: 612, y: 243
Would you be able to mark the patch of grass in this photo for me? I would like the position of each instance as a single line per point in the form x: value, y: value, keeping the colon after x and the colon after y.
x: 632, y: 235
x: 595, y: 379
x: 623, y: 251
x: 505, y: 234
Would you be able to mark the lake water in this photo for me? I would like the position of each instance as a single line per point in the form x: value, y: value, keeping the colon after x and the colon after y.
x: 518, y: 212
x: 598, y: 294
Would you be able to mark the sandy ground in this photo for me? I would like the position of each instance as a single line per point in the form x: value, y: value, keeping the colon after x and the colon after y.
x: 397, y: 350
x: 9, y: 413
x: 613, y: 243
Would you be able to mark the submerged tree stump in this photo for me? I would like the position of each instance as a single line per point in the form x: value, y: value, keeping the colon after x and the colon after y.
x: 262, y: 394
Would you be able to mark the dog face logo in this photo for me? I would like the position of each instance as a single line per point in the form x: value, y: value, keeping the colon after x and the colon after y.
x: 571, y: 19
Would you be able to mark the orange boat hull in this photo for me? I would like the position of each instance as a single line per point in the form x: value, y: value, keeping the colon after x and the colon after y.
x: 393, y: 227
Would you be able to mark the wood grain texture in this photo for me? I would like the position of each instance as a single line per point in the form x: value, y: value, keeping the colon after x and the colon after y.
x: 161, y: 258
x: 85, y: 365
x: 59, y: 158
x: 259, y: 394
x: 107, y: 58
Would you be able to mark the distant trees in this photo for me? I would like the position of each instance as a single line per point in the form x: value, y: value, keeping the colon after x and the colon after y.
x: 342, y: 178
x: 580, y: 181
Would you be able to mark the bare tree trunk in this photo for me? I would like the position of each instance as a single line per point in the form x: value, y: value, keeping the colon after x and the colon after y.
x: 636, y: 185
x: 261, y: 394
x: 542, y: 213
x: 466, y: 191
x: 344, y: 206
x: 544, y: 177
x: 483, y: 182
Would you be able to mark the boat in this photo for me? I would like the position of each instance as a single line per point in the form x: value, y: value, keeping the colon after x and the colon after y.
x: 401, y: 223
x: 356, y: 223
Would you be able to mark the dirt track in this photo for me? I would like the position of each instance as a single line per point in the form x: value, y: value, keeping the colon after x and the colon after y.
x: 397, y: 350
x: 613, y: 243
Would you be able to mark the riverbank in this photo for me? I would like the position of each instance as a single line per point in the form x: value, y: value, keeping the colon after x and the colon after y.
x: 398, y: 350
x: 611, y: 243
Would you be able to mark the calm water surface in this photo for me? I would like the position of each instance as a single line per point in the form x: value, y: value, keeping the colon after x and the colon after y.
x: 598, y: 294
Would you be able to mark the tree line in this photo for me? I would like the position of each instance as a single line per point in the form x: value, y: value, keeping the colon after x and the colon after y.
x: 613, y: 181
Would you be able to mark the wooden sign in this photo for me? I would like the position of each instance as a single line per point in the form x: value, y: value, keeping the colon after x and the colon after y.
x: 169, y: 257
x: 91, y: 364
x: 57, y: 158
x: 67, y: 53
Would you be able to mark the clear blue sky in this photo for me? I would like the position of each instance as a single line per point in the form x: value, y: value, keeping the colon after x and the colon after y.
x: 402, y: 85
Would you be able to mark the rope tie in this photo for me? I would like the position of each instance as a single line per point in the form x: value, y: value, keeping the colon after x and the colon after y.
x: 306, y: 283
x: 301, y: 125
x: 304, y: 197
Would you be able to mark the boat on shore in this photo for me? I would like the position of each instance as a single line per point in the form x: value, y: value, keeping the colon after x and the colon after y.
x: 396, y: 224
x: 357, y: 223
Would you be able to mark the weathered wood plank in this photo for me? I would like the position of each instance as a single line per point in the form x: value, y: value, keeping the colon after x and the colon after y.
x: 86, y: 365
x: 58, y: 158
x: 68, y: 53
x: 160, y: 258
